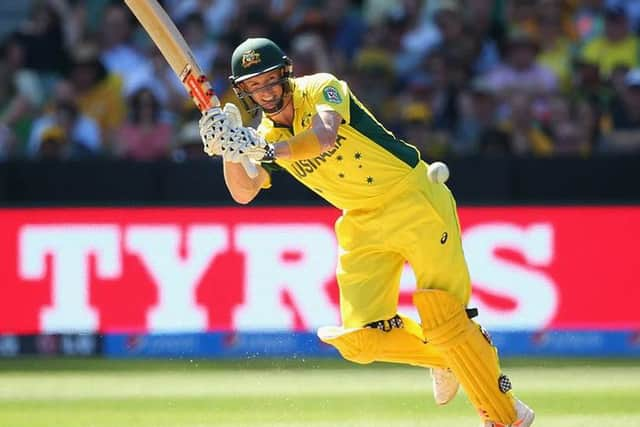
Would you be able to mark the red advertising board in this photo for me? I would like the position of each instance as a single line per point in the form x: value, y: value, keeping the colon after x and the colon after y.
x: 211, y: 269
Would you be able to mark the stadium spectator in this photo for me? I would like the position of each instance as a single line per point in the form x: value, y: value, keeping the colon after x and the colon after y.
x: 555, y: 44
x: 216, y: 15
x: 448, y: 19
x: 99, y: 93
x: 254, y: 22
x: 418, y: 36
x: 21, y: 92
x: 374, y: 71
x: 625, y: 116
x: 589, y: 88
x: 485, y: 30
x: 310, y: 53
x: 616, y: 47
x: 447, y: 78
x: 521, y: 71
x: 53, y: 144
x: 347, y: 29
x: 73, y: 16
x: 525, y: 133
x: 144, y: 136
x: 479, y: 120
x: 472, y: 51
x: 118, y: 53
x: 571, y: 127
x: 44, y: 39
x: 80, y: 133
x: 157, y: 76
x: 417, y: 128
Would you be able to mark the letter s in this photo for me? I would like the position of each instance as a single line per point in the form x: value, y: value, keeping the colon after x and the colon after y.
x: 534, y: 291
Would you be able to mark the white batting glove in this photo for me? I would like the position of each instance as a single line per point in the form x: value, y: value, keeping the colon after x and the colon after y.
x: 216, y: 126
x: 247, y: 142
x: 233, y: 115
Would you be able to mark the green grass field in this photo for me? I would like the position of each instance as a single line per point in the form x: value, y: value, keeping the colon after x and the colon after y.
x: 98, y: 393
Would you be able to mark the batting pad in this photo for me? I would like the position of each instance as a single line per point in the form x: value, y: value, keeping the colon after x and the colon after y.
x: 467, y: 352
x: 366, y: 345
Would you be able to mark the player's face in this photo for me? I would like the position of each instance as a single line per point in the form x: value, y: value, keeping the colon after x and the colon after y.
x: 266, y: 90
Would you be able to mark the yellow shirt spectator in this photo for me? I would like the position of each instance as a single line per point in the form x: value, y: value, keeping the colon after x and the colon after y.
x: 105, y: 104
x: 608, y: 54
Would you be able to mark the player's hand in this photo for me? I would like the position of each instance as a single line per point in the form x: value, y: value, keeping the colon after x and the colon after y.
x: 216, y: 127
x: 247, y: 142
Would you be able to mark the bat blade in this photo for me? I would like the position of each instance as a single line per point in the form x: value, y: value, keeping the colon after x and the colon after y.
x: 175, y: 50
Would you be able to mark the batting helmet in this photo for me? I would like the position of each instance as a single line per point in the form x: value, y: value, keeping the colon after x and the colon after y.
x: 256, y: 56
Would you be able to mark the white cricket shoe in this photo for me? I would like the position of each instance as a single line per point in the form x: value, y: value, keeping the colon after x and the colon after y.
x: 524, y: 413
x: 445, y: 385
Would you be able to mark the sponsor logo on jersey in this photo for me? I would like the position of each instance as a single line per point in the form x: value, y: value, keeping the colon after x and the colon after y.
x: 332, y: 95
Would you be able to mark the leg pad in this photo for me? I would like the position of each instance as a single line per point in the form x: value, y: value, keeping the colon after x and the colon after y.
x: 467, y: 352
x: 399, y: 345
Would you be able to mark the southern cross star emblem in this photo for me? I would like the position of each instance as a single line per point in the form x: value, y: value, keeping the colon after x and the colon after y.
x: 249, y: 58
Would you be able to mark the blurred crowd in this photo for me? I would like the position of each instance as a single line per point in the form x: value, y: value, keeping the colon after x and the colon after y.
x: 537, y: 78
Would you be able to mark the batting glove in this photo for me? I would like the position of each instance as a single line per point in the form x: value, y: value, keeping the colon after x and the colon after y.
x: 246, y: 141
x: 216, y: 127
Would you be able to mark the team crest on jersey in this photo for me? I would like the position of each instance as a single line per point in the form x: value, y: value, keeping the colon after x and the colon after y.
x: 332, y: 95
x: 249, y: 58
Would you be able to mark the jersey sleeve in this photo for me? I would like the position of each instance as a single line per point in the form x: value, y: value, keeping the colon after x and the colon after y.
x: 330, y: 94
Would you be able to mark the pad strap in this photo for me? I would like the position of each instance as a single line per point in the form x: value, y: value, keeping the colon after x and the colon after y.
x: 387, y: 325
x: 397, y: 322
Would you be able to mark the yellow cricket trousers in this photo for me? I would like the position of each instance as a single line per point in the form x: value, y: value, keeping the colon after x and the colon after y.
x: 417, y: 223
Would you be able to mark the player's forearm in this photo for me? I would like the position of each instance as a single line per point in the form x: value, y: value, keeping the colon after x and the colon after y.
x: 243, y: 189
x: 309, y: 143
x: 302, y: 146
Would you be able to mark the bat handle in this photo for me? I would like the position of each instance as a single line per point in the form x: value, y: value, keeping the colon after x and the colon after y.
x: 249, y: 168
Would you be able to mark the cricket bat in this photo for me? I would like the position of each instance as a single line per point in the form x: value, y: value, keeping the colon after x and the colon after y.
x: 175, y: 50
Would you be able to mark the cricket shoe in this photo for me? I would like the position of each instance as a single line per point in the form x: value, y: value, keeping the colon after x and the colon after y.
x: 524, y: 413
x: 445, y: 385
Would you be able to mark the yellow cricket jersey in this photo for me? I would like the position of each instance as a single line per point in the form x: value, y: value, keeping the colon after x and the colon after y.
x: 367, y: 161
x: 609, y: 55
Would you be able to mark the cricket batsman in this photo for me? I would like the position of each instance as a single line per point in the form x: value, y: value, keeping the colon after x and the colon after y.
x: 316, y: 129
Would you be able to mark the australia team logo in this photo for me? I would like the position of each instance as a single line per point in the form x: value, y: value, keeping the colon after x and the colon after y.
x: 249, y: 58
x: 332, y: 95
